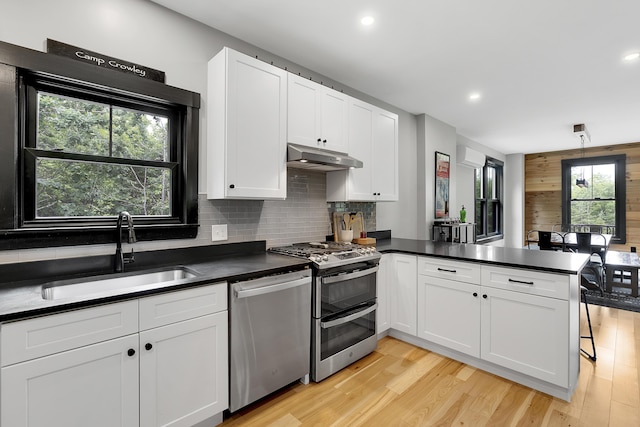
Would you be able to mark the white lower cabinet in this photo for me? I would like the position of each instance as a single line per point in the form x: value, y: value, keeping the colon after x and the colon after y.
x: 449, y: 314
x: 183, y: 371
x: 518, y: 323
x: 95, y: 385
x: 526, y: 333
x: 403, y: 292
x: 172, y: 374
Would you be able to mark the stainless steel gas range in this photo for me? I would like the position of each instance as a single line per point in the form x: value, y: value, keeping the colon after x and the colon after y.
x: 343, y: 310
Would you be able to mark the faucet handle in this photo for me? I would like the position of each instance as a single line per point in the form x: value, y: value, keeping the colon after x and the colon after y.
x: 132, y: 234
x: 129, y: 258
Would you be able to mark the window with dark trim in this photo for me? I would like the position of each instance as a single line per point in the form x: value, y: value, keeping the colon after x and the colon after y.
x: 594, y: 193
x: 79, y: 144
x: 489, y: 190
x: 87, y: 155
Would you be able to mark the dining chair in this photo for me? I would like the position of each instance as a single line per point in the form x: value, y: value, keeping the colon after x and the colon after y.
x: 583, y: 243
x: 533, y: 237
x: 548, y: 241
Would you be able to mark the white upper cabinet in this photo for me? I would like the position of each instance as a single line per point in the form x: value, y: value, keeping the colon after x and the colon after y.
x: 373, y: 139
x: 246, y: 128
x: 317, y: 115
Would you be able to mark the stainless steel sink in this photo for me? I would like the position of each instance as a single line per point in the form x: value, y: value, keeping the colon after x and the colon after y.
x: 113, y: 283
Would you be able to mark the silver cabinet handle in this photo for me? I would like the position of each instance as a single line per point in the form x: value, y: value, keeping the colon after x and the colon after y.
x: 349, y: 276
x: 349, y: 318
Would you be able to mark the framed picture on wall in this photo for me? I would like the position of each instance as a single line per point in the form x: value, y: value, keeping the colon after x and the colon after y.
x: 442, y: 185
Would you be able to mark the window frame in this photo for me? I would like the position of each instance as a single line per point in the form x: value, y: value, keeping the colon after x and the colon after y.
x: 620, y: 160
x: 481, y: 229
x: 20, y: 232
x: 31, y: 85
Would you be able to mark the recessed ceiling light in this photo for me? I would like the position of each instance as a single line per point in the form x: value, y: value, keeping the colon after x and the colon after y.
x: 474, y: 96
x: 367, y: 20
x: 632, y: 56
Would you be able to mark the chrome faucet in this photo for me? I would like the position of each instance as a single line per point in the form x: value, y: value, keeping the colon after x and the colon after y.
x: 121, y: 260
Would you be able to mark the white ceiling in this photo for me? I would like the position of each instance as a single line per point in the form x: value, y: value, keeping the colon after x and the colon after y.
x: 541, y: 66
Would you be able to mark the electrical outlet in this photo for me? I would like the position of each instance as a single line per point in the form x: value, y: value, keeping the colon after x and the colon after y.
x: 219, y: 232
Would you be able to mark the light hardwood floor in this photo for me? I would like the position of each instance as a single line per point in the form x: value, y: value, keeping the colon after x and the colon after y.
x: 402, y: 385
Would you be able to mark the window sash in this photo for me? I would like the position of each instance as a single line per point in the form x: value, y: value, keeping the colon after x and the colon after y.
x: 619, y: 191
x: 32, y: 86
x: 488, y: 183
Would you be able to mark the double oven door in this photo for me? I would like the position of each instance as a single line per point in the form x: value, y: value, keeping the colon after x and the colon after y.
x: 344, y: 317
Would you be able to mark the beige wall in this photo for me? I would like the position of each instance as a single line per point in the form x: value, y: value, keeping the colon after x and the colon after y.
x: 543, y: 188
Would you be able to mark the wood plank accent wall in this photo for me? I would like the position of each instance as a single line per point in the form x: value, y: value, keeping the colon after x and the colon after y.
x: 543, y: 188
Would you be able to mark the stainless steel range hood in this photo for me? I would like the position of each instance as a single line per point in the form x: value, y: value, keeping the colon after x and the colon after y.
x: 300, y: 156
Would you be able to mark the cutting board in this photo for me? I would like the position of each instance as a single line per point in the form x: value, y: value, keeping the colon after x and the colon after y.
x: 352, y: 221
x: 357, y: 224
x: 336, y: 225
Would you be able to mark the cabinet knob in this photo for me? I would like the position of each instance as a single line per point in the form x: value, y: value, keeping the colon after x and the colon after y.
x: 324, y: 141
x: 232, y: 186
x: 319, y: 140
x: 475, y: 294
x: 131, y: 352
x: 148, y: 346
x: 484, y: 296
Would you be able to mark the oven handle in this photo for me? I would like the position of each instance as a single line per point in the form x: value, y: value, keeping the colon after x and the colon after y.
x: 349, y: 276
x: 349, y: 318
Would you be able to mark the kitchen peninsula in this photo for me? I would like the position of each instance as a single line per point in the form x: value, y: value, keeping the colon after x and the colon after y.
x: 509, y: 311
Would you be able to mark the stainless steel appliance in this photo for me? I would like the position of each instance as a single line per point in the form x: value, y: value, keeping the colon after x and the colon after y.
x: 343, y: 303
x: 269, y: 335
x: 304, y: 157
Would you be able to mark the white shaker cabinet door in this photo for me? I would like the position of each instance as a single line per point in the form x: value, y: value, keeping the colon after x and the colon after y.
x: 246, y: 128
x: 335, y: 115
x: 95, y: 386
x: 303, y: 111
x: 449, y: 314
x: 526, y: 333
x: 317, y: 115
x: 360, y: 184
x: 403, y: 293
x: 385, y: 156
x: 183, y: 371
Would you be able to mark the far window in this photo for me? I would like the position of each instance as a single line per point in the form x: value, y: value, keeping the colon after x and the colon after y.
x: 594, y: 193
x: 488, y: 201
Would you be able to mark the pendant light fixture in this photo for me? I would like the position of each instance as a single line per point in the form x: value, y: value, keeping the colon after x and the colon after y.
x: 581, y: 132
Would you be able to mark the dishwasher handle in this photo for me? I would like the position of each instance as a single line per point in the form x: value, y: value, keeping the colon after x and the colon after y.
x: 269, y: 288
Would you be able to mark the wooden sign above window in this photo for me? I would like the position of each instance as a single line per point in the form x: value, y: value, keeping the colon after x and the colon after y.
x: 100, y: 60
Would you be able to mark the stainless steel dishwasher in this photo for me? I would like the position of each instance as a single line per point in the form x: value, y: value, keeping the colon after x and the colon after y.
x: 270, y: 335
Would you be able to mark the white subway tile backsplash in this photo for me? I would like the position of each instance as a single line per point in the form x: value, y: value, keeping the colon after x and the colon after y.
x: 304, y: 216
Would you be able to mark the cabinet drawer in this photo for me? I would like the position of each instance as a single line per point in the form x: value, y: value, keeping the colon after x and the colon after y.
x: 40, y: 336
x: 447, y: 269
x: 526, y: 281
x: 174, y: 307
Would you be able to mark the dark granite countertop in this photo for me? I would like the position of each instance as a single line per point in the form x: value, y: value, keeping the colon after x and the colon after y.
x: 549, y: 261
x: 21, y: 283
